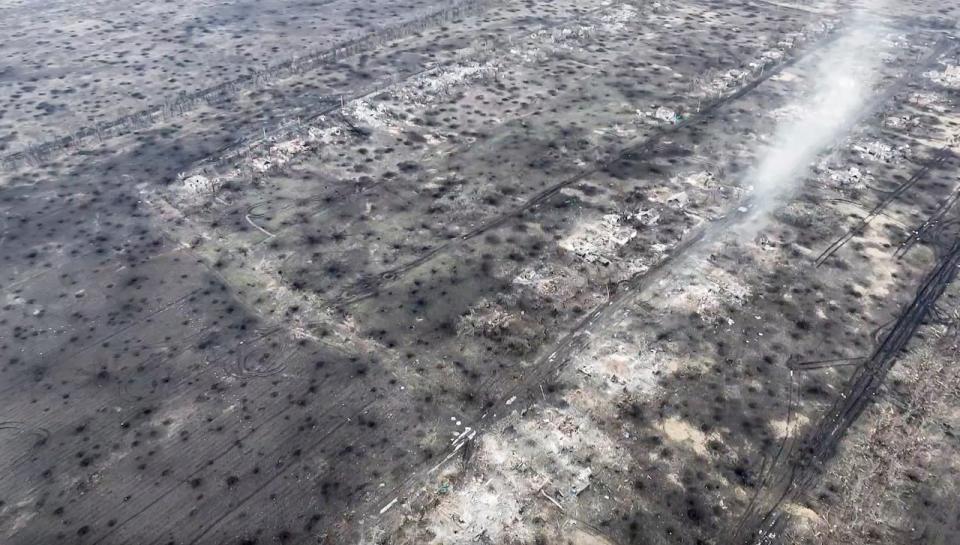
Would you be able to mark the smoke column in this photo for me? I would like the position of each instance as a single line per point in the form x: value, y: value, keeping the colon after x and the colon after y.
x: 842, y: 81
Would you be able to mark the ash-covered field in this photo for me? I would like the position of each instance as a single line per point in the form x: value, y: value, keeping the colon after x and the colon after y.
x: 479, y: 271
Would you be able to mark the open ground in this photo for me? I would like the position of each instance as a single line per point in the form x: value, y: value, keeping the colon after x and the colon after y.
x: 476, y: 271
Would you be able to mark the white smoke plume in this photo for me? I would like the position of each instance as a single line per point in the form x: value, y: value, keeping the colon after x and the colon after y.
x: 843, y: 83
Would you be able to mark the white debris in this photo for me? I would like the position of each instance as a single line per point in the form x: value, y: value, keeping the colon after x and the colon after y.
x: 678, y: 200
x: 618, y: 20
x: 895, y: 41
x: 377, y: 116
x: 665, y: 114
x: 560, y: 36
x: 880, y: 151
x: 730, y: 79
x: 932, y: 101
x: 197, y: 189
x: 549, y: 281
x: 851, y: 178
x: 646, y: 217
x: 707, y: 292
x: 279, y: 154
x: 950, y: 77
x: 389, y: 505
x: 772, y: 55
x: 199, y: 184
x: 486, y: 319
x: 597, y: 241
x: 701, y: 180
x: 901, y: 122
x: 440, y: 81
x: 552, y: 460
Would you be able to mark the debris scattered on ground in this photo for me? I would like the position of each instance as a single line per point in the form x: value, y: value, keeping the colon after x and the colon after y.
x: 646, y: 217
x: 879, y: 151
x: 849, y: 178
x: 376, y: 115
x: 486, y: 319
x: 597, y: 241
x: 522, y: 470
x: 428, y: 87
x: 949, y: 77
x: 279, y: 154
x: 196, y: 189
x: 901, y: 122
x: 555, y: 283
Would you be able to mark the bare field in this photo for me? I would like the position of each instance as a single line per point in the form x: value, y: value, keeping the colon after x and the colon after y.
x: 479, y: 272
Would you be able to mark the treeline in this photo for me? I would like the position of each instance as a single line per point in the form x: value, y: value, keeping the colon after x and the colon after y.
x: 185, y: 102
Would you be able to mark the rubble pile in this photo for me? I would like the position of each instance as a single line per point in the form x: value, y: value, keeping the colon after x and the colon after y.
x: 486, y: 319
x: 950, y: 77
x: 879, y: 151
x: 560, y: 36
x: 847, y: 179
x: 931, y: 101
x: 551, y: 282
x: 658, y: 115
x: 619, y: 18
x: 706, y: 294
x: 901, y: 122
x: 196, y: 189
x: 598, y: 241
x: 440, y: 81
x: 373, y: 115
x: 523, y: 470
x: 730, y: 79
x: 279, y: 154
x: 646, y: 217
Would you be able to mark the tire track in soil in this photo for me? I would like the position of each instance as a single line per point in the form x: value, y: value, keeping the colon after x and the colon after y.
x: 245, y: 146
x: 763, y: 517
x: 578, y: 338
x: 937, y: 160
x: 139, y: 321
x: 771, y: 520
x: 352, y: 402
x: 225, y: 91
x: 935, y: 220
x: 943, y: 46
x: 645, y: 148
x: 234, y: 445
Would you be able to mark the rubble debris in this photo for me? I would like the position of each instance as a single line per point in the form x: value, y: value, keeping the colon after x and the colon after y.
x: 376, y: 115
x: 279, y: 154
x: 931, y: 101
x: 646, y: 217
x: 949, y: 77
x: 597, y: 241
x: 666, y: 114
x: 196, y: 189
x: 440, y: 81
x: 486, y: 319
x: 901, y: 121
x: 678, y: 200
x: 619, y: 18
x: 545, y: 462
x: 658, y: 115
x: 879, y: 151
x: 551, y: 282
x: 850, y: 178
